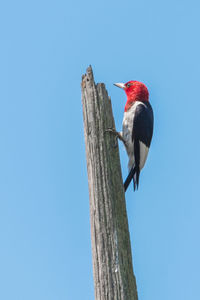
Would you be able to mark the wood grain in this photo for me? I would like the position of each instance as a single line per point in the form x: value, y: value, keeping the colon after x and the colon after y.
x: 111, y: 249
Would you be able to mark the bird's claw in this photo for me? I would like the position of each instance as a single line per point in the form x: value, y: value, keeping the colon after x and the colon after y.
x: 113, y: 131
x: 117, y: 134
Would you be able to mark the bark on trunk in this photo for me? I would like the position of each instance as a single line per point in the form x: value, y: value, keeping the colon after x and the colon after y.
x: 111, y: 249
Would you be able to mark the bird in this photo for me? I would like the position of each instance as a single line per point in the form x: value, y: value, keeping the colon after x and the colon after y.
x: 137, y: 128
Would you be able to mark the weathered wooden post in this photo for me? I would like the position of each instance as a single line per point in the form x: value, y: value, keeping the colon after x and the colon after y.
x: 111, y: 250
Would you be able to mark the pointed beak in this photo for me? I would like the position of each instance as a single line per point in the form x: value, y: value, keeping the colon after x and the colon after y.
x: 120, y: 85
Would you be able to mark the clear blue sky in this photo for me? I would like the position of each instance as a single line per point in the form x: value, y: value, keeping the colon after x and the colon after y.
x: 46, y: 46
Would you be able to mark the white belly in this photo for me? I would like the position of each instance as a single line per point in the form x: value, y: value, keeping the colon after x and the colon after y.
x: 127, y: 135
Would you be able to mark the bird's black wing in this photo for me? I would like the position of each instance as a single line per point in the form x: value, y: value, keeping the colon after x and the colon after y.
x: 142, y: 132
x: 143, y: 124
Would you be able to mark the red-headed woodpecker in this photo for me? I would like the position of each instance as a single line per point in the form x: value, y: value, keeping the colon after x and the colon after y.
x: 137, y: 128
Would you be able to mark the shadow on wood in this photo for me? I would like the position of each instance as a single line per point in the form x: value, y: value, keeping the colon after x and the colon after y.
x: 111, y: 250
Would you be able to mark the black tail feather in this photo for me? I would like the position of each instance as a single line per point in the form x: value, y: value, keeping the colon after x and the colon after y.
x: 137, y: 163
x: 133, y: 174
x: 129, y: 178
x: 136, y: 179
x: 135, y: 171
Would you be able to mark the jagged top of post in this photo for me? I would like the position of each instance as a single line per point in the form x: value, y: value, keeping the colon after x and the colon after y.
x: 89, y: 79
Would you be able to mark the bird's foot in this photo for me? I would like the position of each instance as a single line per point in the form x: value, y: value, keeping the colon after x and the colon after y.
x: 117, y: 134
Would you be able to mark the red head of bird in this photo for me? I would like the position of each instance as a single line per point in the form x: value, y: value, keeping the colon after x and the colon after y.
x: 135, y: 91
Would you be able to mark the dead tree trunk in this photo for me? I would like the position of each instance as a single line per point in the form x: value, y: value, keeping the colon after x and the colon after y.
x: 111, y: 250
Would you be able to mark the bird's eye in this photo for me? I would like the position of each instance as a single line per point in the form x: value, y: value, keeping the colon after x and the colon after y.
x: 128, y: 85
